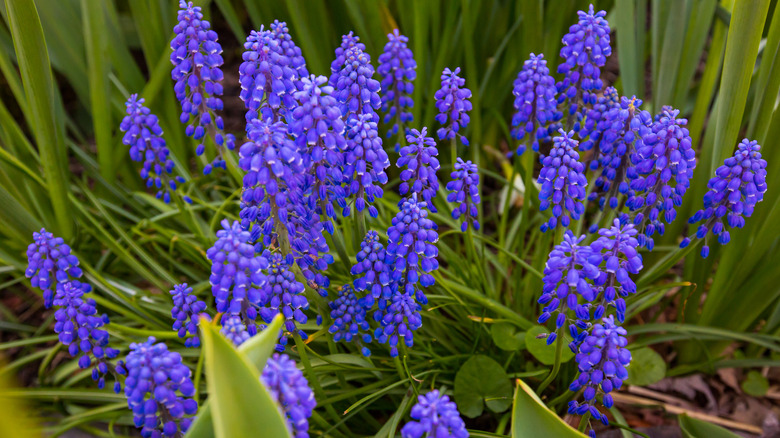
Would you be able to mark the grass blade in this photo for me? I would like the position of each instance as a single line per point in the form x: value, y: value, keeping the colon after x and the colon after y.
x: 94, y: 16
x: 35, y: 67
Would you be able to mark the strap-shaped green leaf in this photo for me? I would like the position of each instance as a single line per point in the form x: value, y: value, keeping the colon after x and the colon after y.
x: 35, y: 68
x: 236, y: 409
x: 693, y: 428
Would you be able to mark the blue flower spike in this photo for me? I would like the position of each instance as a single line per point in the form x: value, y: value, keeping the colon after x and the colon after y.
x: 436, y: 417
x: 465, y: 193
x: 739, y: 184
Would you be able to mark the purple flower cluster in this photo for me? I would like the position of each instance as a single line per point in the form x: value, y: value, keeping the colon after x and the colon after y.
x: 602, y: 359
x: 617, y: 247
x: 598, y: 121
x: 356, y: 90
x: 563, y: 182
x: 437, y: 417
x: 618, y: 134
x: 80, y: 329
x: 144, y: 136
x: 234, y: 330
x: 372, y: 271
x: 159, y: 390
x: 197, y: 61
x: 291, y: 391
x: 739, y: 184
x: 465, y: 193
x: 267, y: 77
x: 452, y: 101
x: 568, y: 275
x: 366, y: 162
x: 348, y: 41
x: 535, y: 103
x: 400, y: 319
x: 585, y: 50
x: 664, y: 166
x: 54, y: 269
x: 283, y: 294
x: 186, y: 311
x: 50, y: 264
x: 412, y: 248
x: 319, y: 131
x: 349, y: 318
x: 236, y: 274
x: 419, y: 158
x: 272, y: 165
x: 397, y: 68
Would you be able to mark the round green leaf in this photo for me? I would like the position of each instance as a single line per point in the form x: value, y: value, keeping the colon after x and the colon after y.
x: 506, y: 336
x: 482, y: 381
x: 755, y: 384
x: 647, y: 367
x: 543, y: 352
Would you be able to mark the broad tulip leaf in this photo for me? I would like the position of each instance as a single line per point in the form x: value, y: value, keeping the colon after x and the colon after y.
x: 238, y: 404
x: 531, y: 418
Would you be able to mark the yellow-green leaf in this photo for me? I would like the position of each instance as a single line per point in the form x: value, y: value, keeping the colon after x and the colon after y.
x: 531, y: 418
x: 240, y: 405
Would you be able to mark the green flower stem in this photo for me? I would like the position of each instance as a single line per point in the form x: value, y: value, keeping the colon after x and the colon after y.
x: 556, y: 365
x: 584, y: 421
x: 313, y: 380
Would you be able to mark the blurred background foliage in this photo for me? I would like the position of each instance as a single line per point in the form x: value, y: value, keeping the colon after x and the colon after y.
x: 67, y: 67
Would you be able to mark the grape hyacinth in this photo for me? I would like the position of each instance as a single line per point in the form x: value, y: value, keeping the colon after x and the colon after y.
x: 563, y: 182
x: 535, y: 102
x: 283, y: 293
x: 620, y: 132
x: 664, y: 166
x: 585, y: 50
x: 236, y: 274
x: 602, y: 360
x: 291, y: 391
x: 289, y: 49
x: 452, y: 101
x: 319, y: 131
x: 465, y: 193
x: 272, y: 164
x: 598, y: 121
x: 234, y: 330
x: 419, y: 177
x: 437, y: 417
x: 144, y: 136
x: 267, y: 77
x: 197, y: 61
x: 373, y: 272
x: 412, y: 248
x: 355, y: 89
x: 349, y: 318
x: 186, y: 312
x: 159, y: 390
x: 348, y: 41
x: 568, y: 275
x: 397, y: 68
x: 400, y: 318
x: 50, y: 264
x: 80, y: 329
x: 739, y: 184
x: 366, y: 162
x: 617, y: 247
